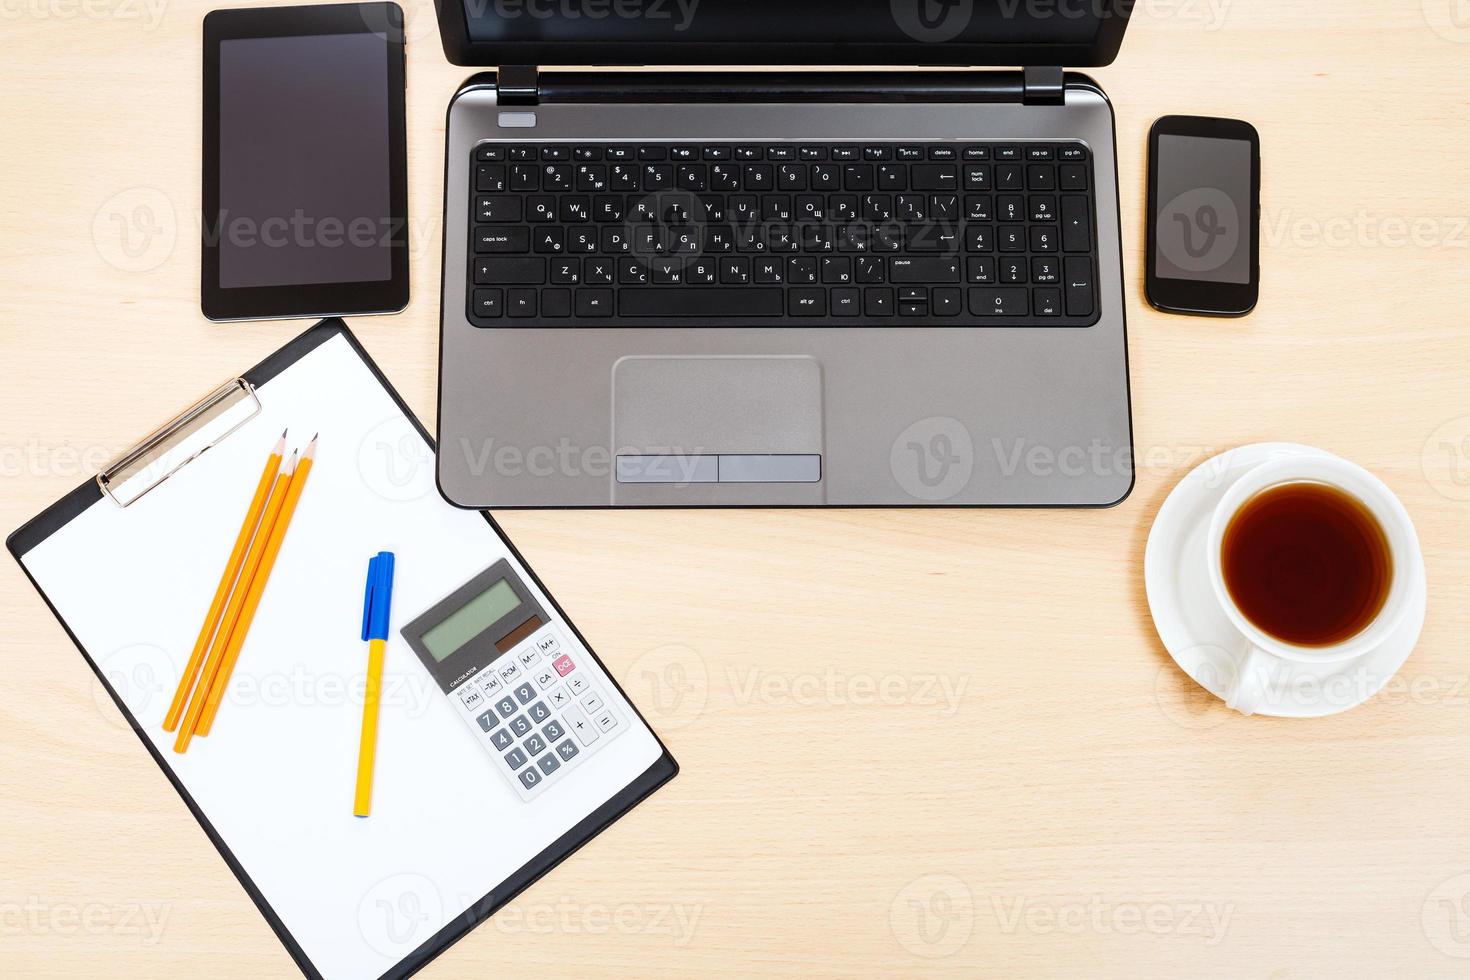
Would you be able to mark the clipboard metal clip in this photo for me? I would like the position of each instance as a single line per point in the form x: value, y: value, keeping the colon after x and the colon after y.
x: 235, y: 402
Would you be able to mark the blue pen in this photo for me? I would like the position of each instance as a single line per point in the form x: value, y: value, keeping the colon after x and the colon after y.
x: 376, y: 601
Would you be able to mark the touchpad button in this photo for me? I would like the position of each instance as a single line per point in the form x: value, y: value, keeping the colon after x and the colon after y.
x: 717, y: 419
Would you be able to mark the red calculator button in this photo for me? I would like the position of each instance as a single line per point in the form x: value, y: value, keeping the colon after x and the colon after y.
x: 563, y: 665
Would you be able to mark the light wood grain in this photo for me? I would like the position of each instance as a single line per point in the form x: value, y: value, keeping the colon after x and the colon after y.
x: 1079, y: 801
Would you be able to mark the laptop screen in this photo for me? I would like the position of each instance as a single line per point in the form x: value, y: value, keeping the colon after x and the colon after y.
x: 795, y: 32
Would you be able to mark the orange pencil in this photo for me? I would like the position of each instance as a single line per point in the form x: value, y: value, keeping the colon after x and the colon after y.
x: 237, y: 602
x: 257, y: 588
x: 221, y: 594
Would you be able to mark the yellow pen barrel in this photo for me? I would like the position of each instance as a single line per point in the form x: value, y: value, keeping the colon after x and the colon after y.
x: 368, y: 749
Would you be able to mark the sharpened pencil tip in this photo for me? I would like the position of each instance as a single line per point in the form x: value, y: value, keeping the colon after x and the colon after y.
x: 281, y: 443
x: 310, y: 448
x: 290, y: 464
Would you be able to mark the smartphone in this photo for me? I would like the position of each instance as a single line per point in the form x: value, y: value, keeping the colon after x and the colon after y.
x: 1204, y: 216
x: 305, y: 189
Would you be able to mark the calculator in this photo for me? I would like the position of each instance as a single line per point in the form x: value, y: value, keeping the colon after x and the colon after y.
x: 539, y: 705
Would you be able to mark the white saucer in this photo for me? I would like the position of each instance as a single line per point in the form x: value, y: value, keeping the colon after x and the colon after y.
x: 1204, y: 643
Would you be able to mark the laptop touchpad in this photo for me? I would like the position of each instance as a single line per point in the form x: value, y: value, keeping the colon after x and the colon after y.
x: 717, y: 419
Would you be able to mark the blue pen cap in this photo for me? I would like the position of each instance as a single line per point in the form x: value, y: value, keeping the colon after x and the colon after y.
x: 377, y: 596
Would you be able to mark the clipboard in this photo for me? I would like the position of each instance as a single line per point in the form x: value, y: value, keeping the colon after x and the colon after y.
x: 127, y: 562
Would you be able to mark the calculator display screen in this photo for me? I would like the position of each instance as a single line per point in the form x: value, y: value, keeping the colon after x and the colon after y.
x: 471, y: 619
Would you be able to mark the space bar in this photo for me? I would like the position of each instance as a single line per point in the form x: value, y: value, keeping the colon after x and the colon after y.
x: 700, y: 302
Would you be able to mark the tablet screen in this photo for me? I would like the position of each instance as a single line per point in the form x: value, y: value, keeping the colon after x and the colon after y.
x: 303, y: 161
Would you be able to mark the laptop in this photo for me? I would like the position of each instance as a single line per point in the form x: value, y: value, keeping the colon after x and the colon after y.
x: 799, y: 283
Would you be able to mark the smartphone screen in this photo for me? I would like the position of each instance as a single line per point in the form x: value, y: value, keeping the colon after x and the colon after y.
x: 1203, y: 205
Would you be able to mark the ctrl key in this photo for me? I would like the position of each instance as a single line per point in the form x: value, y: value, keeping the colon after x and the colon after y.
x: 487, y: 303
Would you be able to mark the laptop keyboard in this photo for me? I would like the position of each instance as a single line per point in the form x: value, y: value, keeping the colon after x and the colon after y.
x: 876, y: 234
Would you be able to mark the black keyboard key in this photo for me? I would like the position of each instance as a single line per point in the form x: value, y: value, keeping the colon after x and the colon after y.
x: 806, y: 301
x: 556, y: 153
x: 585, y: 153
x: 520, y: 302
x: 1043, y: 238
x: 909, y: 153
x: 1072, y: 152
x: 1038, y: 153
x: 1013, y: 270
x: 977, y: 177
x: 490, y: 177
x: 977, y: 153
x: 496, y: 207
x: 980, y: 269
x: 780, y: 153
x: 556, y: 302
x: 857, y: 177
x: 878, y: 301
x: 902, y: 269
x: 1041, y: 177
x: 934, y: 238
x: 942, y: 153
x: 521, y: 152
x: 1046, y: 301
x: 1072, y: 177
x: 946, y: 301
x: 1008, y: 153
x: 488, y: 303
x: 489, y: 153
x: 683, y: 153
x: 594, y: 302
x: 1045, y: 269
x: 1010, y: 207
x: 1008, y: 177
x: 1077, y: 280
x: 696, y: 301
x: 747, y: 153
x: 1009, y: 301
x: 1076, y: 226
x: 502, y: 238
x: 524, y: 177
x: 877, y: 153
x: 566, y: 272
x: 620, y: 153
x: 845, y: 153
x: 716, y: 153
x: 518, y: 271
x: 845, y: 302
x: 1012, y: 239
x: 934, y: 177
x: 652, y: 153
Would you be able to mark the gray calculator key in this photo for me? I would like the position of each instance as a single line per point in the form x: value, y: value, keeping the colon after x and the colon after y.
x: 502, y: 740
x: 548, y: 764
x: 525, y: 693
x: 506, y: 707
x: 515, y: 759
x: 567, y: 750
x: 535, y: 745
x: 488, y: 721
x: 520, y: 725
x: 539, y: 712
x: 553, y: 731
x: 530, y: 777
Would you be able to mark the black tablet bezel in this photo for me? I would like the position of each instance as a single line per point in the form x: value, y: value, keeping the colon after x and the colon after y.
x: 315, y: 299
x: 461, y: 50
x: 1194, y: 296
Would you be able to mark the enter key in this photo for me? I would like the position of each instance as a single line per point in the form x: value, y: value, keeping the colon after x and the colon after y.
x: 1079, y: 287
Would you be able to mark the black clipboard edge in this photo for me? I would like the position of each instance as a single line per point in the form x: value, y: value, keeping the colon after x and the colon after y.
x: 665, y: 768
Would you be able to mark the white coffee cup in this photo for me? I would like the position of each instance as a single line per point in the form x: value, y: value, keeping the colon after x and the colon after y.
x: 1266, y: 655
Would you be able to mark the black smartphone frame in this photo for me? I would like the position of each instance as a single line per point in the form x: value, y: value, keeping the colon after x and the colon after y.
x: 1194, y: 296
x: 309, y: 299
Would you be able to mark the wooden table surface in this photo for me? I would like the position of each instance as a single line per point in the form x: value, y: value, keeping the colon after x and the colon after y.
x: 989, y: 767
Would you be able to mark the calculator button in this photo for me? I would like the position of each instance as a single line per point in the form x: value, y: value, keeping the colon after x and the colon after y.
x: 535, y: 745
x: 509, y: 671
x: 606, y: 721
x: 530, y: 777
x: 564, y: 665
x: 548, y: 764
x: 489, y: 683
x: 567, y: 750
x: 525, y: 693
x: 548, y: 644
x: 520, y: 725
x: 592, y: 703
x: 539, y: 712
x: 502, y: 740
x: 585, y: 731
x: 529, y: 656
x: 515, y: 758
x: 558, y: 697
x: 546, y: 678
x: 488, y: 721
x: 553, y: 731
x: 472, y: 698
x: 506, y: 707
x: 577, y: 685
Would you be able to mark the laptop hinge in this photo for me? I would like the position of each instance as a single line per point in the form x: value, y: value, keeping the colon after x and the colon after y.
x: 1043, y: 85
x: 517, y: 85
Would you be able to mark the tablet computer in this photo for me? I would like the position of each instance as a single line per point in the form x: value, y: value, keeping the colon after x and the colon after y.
x: 305, y: 203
